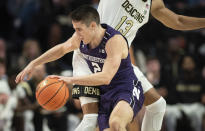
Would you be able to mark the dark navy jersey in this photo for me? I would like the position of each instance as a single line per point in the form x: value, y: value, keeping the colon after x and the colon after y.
x: 95, y: 59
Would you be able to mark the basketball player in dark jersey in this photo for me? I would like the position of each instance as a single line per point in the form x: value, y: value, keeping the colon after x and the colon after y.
x: 106, y: 53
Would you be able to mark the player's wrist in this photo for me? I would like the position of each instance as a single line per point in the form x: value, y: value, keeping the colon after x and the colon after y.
x: 72, y: 80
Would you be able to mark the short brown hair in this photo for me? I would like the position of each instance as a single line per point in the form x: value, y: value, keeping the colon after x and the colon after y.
x: 86, y: 14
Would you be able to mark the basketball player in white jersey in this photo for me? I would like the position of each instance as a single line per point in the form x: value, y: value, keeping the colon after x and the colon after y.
x: 127, y: 16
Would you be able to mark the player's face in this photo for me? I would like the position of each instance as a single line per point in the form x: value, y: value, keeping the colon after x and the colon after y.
x: 83, y: 31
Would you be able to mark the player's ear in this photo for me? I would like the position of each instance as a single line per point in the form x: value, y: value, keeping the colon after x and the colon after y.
x: 93, y: 25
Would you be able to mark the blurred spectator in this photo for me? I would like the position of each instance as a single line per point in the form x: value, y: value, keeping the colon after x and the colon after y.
x: 9, y: 103
x: 189, y: 82
x: 3, y: 69
x: 4, y: 94
x: 61, y: 7
x: 4, y: 88
x: 176, y: 46
x: 203, y: 123
x: 201, y: 51
x: 189, y: 91
x: 54, y: 35
x: 157, y: 78
x: 155, y: 75
x: 30, y: 51
x: 203, y: 72
x: 57, y: 120
x: 28, y: 109
x: 6, y: 20
x: 195, y: 2
x: 12, y: 85
x: 2, y: 49
x: 23, y: 12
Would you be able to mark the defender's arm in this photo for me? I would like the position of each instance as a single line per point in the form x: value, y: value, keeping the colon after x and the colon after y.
x: 173, y: 20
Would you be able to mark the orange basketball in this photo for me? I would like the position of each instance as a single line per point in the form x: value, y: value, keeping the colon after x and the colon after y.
x: 52, y: 94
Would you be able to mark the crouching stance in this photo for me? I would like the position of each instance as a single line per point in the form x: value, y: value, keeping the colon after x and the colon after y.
x: 105, y: 51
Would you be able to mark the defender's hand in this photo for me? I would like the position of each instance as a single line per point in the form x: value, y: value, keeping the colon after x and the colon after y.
x: 25, y: 74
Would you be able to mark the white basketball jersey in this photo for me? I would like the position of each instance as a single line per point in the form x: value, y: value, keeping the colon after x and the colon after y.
x: 126, y: 16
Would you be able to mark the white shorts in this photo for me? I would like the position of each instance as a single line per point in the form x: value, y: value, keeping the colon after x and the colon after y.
x: 80, y: 68
x: 146, y: 85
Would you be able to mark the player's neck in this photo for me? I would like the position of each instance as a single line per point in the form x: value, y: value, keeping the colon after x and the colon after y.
x: 97, y: 38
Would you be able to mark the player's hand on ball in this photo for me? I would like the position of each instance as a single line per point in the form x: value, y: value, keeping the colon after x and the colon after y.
x: 25, y: 74
x: 67, y: 80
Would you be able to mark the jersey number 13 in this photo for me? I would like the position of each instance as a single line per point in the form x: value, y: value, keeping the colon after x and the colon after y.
x: 129, y: 24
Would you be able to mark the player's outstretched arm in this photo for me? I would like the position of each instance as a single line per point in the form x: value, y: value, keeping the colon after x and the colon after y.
x: 175, y: 21
x: 52, y: 54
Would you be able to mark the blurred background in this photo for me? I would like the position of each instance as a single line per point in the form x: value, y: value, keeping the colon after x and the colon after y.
x: 173, y: 61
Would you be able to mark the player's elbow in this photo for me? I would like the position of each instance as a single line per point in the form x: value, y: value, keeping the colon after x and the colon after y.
x: 179, y: 24
x: 68, y: 47
x: 107, y: 81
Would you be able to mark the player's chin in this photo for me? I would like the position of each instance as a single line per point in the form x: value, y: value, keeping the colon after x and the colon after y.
x: 85, y: 41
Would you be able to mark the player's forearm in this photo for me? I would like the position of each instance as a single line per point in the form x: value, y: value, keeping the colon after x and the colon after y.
x: 92, y: 80
x: 173, y: 20
x: 50, y: 55
x: 178, y: 22
x: 190, y: 23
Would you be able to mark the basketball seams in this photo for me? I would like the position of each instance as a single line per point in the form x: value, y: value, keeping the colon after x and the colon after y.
x: 54, y: 94
x: 62, y: 100
x: 45, y: 88
x: 50, y: 94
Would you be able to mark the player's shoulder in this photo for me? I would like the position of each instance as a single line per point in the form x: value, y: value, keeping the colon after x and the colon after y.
x: 117, y: 39
x: 113, y: 35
